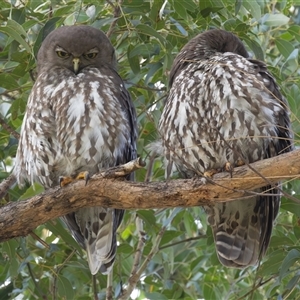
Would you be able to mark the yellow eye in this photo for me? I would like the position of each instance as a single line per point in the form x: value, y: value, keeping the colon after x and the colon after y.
x: 62, y: 54
x: 91, y: 55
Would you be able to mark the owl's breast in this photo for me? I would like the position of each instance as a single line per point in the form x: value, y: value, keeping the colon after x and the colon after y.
x: 91, y: 127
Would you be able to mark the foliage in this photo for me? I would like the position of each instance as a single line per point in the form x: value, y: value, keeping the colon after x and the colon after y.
x: 147, y: 35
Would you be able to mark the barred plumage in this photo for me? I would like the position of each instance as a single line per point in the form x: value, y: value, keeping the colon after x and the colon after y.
x: 79, y: 117
x: 224, y: 107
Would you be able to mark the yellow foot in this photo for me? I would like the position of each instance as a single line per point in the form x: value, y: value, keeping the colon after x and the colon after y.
x: 228, y: 168
x: 210, y: 173
x: 239, y: 163
x: 64, y: 180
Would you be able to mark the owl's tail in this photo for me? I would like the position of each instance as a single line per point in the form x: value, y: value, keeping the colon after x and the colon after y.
x: 94, y: 228
x: 101, y: 239
x: 242, y: 229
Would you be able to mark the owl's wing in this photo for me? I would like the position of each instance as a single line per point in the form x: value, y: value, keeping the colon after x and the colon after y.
x: 36, y: 150
x: 242, y: 229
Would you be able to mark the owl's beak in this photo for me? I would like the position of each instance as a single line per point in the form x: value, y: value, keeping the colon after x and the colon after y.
x: 76, y: 62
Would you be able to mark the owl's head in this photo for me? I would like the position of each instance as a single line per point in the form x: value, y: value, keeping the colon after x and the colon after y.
x: 75, y: 48
x: 203, y: 46
x: 218, y: 40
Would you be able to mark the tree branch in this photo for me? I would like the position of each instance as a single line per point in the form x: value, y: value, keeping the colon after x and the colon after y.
x: 19, y: 218
x: 9, y: 129
x: 117, y: 14
x: 6, y: 184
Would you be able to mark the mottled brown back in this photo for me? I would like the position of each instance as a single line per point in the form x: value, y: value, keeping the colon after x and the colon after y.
x: 222, y: 108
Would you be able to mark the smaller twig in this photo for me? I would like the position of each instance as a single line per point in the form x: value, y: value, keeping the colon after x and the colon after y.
x: 140, y: 246
x: 36, y: 237
x: 109, y: 289
x: 257, y: 286
x: 184, y: 241
x: 117, y: 13
x: 148, y: 88
x: 95, y: 288
x: 58, y: 269
x: 6, y: 184
x: 123, y: 170
x: 6, y: 94
x: 40, y: 292
x: 133, y: 280
x: 9, y: 129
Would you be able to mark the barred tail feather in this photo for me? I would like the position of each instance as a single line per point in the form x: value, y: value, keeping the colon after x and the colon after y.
x: 94, y: 228
x: 242, y: 229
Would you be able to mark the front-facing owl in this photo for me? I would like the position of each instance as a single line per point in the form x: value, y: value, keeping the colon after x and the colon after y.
x: 224, y: 108
x: 79, y: 118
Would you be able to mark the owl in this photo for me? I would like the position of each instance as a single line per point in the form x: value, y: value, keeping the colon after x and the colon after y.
x: 223, y: 110
x: 79, y: 118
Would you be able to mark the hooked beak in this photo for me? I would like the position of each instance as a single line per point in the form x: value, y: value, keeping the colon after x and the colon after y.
x: 76, y: 62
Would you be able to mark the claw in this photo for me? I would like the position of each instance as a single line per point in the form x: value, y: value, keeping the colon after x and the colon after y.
x: 84, y: 175
x: 240, y: 163
x: 228, y: 168
x: 64, y: 180
x: 210, y: 173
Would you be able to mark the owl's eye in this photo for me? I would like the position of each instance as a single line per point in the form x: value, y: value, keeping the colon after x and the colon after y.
x: 62, y: 54
x: 91, y: 55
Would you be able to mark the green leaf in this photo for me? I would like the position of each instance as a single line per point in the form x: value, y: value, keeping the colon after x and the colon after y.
x: 9, y: 248
x: 295, y: 32
x: 189, y: 5
x: 147, y: 30
x: 292, y: 257
x: 6, y: 290
x: 175, y: 211
x: 57, y: 228
x: 49, y: 26
x: 254, y: 46
x: 7, y: 81
x: 293, y: 282
x: 134, y: 61
x: 291, y: 206
x: 125, y: 248
x: 254, y: 8
x: 284, y: 47
x: 155, y: 296
x: 276, y: 19
x: 64, y: 288
x: 179, y: 27
x: 147, y: 216
x: 180, y: 9
x: 33, y: 190
x: 272, y: 265
x: 15, y: 31
x: 208, y: 291
x: 169, y: 235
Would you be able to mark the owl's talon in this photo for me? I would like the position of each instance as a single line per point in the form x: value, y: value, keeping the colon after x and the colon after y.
x: 85, y: 176
x: 240, y: 163
x: 210, y: 173
x: 64, y: 180
x: 228, y: 168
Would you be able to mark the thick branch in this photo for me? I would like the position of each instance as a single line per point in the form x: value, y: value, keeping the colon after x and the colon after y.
x: 19, y: 218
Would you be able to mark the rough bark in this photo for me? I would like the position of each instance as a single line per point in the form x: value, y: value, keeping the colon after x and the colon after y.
x: 19, y: 218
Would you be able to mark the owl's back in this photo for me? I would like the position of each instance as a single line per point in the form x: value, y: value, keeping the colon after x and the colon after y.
x: 223, y: 108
